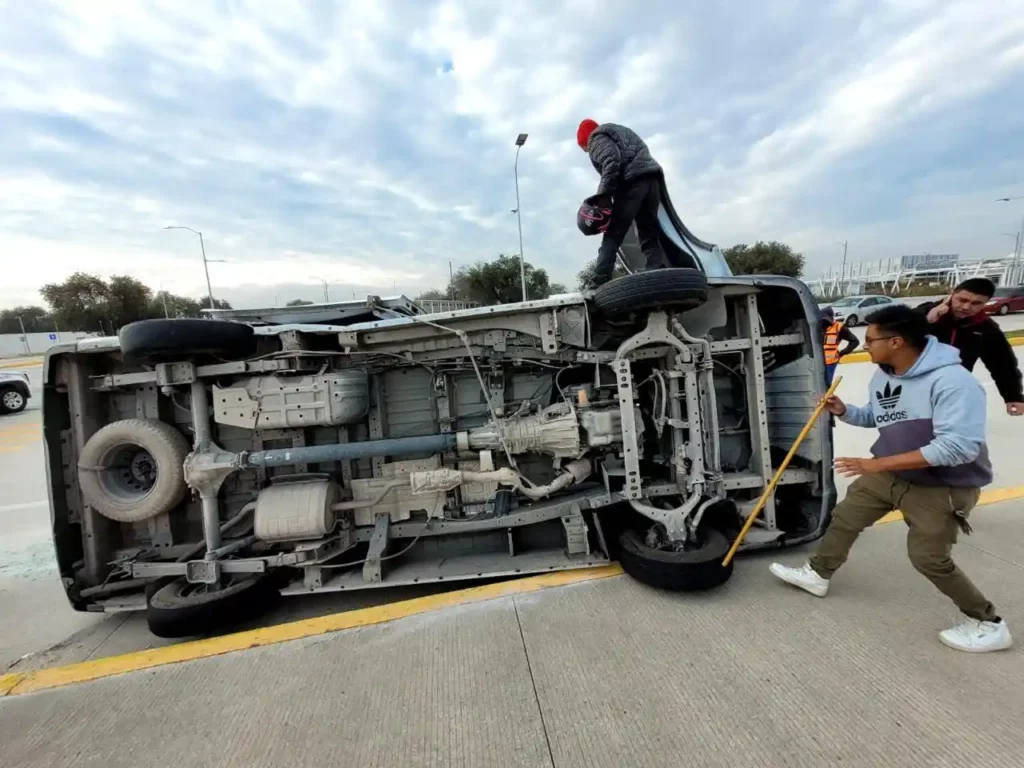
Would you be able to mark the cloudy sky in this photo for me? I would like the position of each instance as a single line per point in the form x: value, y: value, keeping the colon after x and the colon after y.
x: 370, y: 143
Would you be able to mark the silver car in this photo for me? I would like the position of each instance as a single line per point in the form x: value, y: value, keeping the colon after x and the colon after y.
x: 15, y: 392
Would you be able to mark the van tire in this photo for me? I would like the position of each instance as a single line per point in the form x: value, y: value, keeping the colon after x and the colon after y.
x: 178, y: 609
x: 184, y: 338
x: 683, y: 571
x: 132, y: 470
x: 674, y: 288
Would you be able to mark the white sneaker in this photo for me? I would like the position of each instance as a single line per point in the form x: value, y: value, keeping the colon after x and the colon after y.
x: 976, y: 636
x: 804, y: 577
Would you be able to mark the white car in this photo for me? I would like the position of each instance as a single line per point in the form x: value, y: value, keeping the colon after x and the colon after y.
x: 853, y: 310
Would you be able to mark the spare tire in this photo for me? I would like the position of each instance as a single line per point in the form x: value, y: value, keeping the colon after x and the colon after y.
x: 133, y: 470
x: 176, y: 608
x: 674, y: 288
x: 683, y: 571
x: 176, y: 339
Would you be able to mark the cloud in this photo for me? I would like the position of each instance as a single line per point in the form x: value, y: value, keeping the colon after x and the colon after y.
x: 372, y: 143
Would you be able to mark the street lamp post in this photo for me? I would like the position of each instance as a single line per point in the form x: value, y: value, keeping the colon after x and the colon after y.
x: 327, y: 295
x: 842, y: 273
x: 1019, y: 247
x: 520, y: 140
x: 206, y: 268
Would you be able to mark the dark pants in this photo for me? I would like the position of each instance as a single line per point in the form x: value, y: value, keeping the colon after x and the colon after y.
x: 638, y: 201
x: 930, y: 513
x: 830, y: 373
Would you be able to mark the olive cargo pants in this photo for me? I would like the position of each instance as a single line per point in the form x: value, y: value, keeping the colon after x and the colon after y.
x: 930, y: 513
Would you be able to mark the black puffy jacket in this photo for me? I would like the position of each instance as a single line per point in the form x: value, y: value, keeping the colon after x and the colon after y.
x: 619, y: 155
x: 980, y: 338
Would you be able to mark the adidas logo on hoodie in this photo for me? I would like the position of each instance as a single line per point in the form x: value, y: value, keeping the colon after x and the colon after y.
x: 888, y: 398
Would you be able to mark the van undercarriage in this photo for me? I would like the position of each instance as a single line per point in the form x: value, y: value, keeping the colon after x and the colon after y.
x: 197, y: 467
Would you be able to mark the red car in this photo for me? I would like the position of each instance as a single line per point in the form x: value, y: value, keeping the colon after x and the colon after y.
x: 1005, y: 301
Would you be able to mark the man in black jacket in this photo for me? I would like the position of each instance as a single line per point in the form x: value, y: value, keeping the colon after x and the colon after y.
x: 958, y: 320
x: 632, y: 179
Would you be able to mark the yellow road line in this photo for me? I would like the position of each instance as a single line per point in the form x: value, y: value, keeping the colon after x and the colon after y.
x: 43, y: 679
x: 28, y: 362
x: 30, y: 428
x: 993, y: 496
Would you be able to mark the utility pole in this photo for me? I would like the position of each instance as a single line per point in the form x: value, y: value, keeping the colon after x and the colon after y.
x: 24, y: 336
x: 843, y: 277
x: 520, y: 140
x: 451, y: 281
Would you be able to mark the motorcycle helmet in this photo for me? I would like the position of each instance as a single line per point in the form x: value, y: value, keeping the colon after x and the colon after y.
x: 594, y: 215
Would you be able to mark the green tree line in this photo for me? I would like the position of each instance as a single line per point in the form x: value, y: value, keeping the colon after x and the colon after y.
x: 496, y: 282
x: 89, y: 303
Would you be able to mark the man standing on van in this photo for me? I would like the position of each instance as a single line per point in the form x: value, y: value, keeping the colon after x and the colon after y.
x: 930, y: 461
x: 958, y: 320
x: 632, y: 178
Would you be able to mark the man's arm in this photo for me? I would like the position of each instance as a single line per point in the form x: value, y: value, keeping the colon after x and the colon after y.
x: 852, y: 341
x: 604, y: 154
x: 958, y: 424
x: 859, y: 416
x: 1001, y: 361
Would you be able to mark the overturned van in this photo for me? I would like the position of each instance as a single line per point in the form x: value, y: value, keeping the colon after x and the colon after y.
x: 199, y: 468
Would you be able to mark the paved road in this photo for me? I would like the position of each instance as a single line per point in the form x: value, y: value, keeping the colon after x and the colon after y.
x: 603, y: 673
x: 44, y: 626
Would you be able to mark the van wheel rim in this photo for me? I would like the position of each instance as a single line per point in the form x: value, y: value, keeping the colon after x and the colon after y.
x: 13, y: 401
x: 130, y: 473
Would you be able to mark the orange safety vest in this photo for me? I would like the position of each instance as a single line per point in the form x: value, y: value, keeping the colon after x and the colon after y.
x: 832, y: 343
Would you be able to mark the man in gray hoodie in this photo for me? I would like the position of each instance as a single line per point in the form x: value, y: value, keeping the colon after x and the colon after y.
x: 930, y: 461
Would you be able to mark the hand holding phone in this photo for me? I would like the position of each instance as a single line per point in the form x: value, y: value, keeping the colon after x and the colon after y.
x: 940, y: 309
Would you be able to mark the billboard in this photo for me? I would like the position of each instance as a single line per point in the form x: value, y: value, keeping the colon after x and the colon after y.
x: 930, y: 261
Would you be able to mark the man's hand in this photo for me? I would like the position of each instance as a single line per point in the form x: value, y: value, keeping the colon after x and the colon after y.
x: 936, y: 312
x: 855, y: 467
x: 1015, y: 409
x: 835, y: 406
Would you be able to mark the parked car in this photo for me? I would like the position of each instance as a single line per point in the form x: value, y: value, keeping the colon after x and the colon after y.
x: 852, y: 310
x: 14, y: 392
x: 1006, y: 300
x: 211, y: 465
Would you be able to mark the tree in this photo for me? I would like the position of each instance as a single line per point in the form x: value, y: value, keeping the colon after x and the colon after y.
x: 128, y: 300
x: 762, y: 258
x: 298, y: 303
x: 585, y: 277
x: 433, y: 295
x: 204, y: 303
x: 36, y: 320
x: 499, y: 282
x: 166, y: 304
x: 79, y: 303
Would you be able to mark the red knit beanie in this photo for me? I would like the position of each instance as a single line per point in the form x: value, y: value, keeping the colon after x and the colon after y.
x: 586, y: 128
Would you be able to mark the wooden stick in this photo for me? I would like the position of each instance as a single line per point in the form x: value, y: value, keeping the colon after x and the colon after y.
x: 778, y: 473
